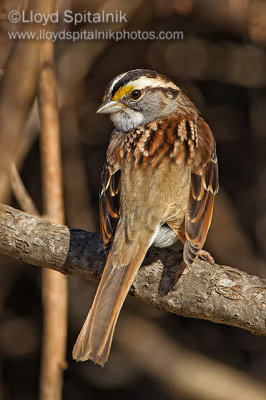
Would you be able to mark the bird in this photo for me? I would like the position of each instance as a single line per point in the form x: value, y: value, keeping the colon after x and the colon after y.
x: 157, y: 187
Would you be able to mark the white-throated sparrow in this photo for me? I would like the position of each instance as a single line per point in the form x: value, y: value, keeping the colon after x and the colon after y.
x: 158, y: 185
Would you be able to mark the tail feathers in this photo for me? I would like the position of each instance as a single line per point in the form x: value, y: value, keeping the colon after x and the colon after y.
x: 95, y: 338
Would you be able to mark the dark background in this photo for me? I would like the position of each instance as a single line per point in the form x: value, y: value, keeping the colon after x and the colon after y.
x: 221, y: 65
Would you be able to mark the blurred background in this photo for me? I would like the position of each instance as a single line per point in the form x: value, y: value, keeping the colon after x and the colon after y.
x: 221, y: 65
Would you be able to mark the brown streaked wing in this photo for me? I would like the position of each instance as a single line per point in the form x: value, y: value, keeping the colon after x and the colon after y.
x: 109, y: 204
x: 204, y: 186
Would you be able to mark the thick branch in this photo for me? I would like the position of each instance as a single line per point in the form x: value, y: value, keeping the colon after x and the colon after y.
x: 216, y: 293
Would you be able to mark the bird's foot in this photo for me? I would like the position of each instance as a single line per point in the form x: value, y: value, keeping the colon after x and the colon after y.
x: 206, y: 256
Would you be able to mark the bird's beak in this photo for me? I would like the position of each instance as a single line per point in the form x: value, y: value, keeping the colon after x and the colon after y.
x: 110, y: 106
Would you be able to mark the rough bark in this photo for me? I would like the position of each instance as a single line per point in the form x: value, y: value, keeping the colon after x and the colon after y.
x: 216, y: 293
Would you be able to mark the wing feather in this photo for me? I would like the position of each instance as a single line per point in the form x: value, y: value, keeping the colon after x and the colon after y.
x: 109, y: 203
x: 204, y: 186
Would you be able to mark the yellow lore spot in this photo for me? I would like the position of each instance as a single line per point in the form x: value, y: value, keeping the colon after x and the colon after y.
x: 122, y: 91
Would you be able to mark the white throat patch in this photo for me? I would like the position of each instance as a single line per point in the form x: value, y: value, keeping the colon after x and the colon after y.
x: 127, y: 120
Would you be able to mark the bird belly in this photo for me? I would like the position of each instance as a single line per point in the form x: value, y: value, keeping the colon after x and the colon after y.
x: 165, y: 237
x: 153, y: 197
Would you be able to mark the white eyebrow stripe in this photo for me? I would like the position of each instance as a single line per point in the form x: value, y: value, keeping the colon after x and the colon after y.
x: 143, y: 82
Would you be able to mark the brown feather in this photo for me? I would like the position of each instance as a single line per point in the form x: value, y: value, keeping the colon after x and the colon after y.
x: 157, y: 161
x: 109, y: 204
x: 95, y: 338
x: 204, y: 184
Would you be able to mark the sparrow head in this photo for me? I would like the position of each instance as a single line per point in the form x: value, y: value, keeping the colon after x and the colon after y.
x: 140, y: 96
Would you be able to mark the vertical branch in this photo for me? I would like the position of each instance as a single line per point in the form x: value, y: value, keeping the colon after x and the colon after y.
x: 17, y: 93
x: 54, y: 284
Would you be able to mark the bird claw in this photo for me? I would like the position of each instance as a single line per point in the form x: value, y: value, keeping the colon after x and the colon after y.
x: 205, y: 256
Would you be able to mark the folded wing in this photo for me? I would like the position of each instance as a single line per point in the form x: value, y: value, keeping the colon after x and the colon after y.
x: 204, y: 186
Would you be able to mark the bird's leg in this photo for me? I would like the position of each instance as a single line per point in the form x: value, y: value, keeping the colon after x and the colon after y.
x: 181, y: 236
x: 181, y: 267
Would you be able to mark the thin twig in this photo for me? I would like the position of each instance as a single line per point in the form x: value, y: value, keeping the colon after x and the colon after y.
x: 54, y: 284
x: 20, y: 192
x: 18, y: 89
x: 216, y: 293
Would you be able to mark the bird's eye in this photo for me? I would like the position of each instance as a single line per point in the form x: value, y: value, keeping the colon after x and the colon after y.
x: 135, y: 94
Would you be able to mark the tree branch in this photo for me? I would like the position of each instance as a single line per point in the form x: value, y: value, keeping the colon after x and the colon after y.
x: 20, y: 192
x: 54, y: 285
x: 216, y: 293
x: 17, y: 93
